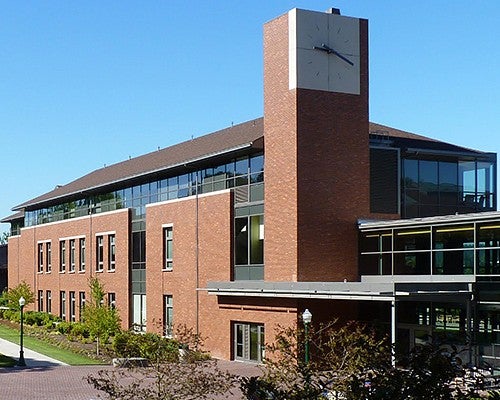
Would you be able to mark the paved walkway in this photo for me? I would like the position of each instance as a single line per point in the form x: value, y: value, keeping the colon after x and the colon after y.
x: 32, y: 358
x: 45, y: 378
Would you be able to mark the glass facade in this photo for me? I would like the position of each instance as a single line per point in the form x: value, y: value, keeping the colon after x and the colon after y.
x: 438, y: 187
x: 245, y: 171
x: 467, y: 248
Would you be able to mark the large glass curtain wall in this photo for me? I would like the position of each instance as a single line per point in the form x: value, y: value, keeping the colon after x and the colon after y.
x: 244, y: 171
x: 461, y: 249
x: 441, y: 187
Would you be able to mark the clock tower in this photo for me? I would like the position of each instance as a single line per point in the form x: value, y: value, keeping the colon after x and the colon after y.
x: 316, y: 132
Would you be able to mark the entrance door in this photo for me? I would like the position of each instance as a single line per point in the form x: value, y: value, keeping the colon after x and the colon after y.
x: 249, y: 342
x: 409, y: 336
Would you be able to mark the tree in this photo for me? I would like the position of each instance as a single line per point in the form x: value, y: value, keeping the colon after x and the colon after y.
x: 11, y: 296
x: 4, y: 237
x: 164, y: 381
x: 337, y: 353
x: 102, y: 319
x: 354, y: 361
x: 167, y: 375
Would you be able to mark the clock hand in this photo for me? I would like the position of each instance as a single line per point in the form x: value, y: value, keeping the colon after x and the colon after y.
x: 329, y: 50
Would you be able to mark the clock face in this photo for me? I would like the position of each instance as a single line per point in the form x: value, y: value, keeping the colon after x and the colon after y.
x: 323, y: 52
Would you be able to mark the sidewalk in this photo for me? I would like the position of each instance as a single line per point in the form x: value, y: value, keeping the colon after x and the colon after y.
x: 32, y: 358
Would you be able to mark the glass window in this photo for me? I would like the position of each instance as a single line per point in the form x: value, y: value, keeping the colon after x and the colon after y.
x: 139, y: 312
x: 257, y: 239
x: 48, y: 267
x: 40, y: 257
x: 72, y: 255
x: 168, y: 248
x: 40, y: 300
x: 72, y: 307
x: 62, y: 256
x: 428, y: 182
x: 49, y: 301
x: 100, y: 253
x: 81, y: 303
x: 249, y: 342
x: 413, y: 239
x: 112, y: 300
x: 453, y: 237
x: 241, y: 241
x: 168, y: 311
x: 81, y: 266
x: 62, y: 305
x: 111, y: 253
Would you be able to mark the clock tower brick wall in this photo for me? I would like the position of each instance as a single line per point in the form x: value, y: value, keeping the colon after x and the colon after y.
x: 317, y: 169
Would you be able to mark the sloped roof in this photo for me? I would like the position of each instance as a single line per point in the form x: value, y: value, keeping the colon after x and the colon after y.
x: 229, y: 139
x: 226, y: 140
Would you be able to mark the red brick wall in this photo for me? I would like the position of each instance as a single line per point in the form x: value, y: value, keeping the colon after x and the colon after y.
x: 205, y: 220
x: 280, y: 173
x: 23, y: 264
x: 317, y: 169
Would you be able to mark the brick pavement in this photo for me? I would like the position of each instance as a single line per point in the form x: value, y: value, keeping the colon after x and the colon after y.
x: 69, y: 383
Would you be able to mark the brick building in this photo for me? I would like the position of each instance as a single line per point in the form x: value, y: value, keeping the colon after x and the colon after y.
x: 311, y: 206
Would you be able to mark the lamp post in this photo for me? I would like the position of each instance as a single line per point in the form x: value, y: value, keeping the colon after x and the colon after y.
x: 21, y: 361
x: 307, y: 318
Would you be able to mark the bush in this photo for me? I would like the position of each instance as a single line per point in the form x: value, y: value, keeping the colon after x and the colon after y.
x: 78, y: 331
x: 148, y: 345
x: 64, y: 327
x: 37, y: 318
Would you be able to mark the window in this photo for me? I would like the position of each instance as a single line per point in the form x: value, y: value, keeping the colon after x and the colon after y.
x: 40, y: 300
x: 62, y: 305
x: 249, y: 342
x: 139, y: 312
x: 72, y: 307
x: 72, y: 255
x: 167, y: 248
x: 62, y: 256
x: 81, y: 303
x: 40, y: 257
x: 168, y: 312
x: 81, y: 264
x: 111, y: 253
x: 112, y: 300
x: 48, y: 267
x: 100, y: 253
x: 249, y: 247
x: 49, y: 301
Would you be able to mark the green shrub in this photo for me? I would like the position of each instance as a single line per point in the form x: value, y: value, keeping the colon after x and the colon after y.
x: 78, y: 331
x: 64, y: 327
x: 36, y: 318
x: 12, y: 315
x: 148, y: 345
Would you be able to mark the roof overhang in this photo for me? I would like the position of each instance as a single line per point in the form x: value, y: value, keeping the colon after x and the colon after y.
x: 166, y: 168
x: 360, y: 291
x: 366, y: 225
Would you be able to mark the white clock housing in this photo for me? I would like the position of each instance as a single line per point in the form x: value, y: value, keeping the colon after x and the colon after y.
x: 323, y: 52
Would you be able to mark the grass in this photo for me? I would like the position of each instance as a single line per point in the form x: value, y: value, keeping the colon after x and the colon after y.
x: 66, y: 356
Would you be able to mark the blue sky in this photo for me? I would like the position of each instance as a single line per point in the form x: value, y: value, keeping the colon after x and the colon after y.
x: 83, y: 84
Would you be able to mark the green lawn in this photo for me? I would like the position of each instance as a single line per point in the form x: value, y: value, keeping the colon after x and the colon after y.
x: 42, y: 347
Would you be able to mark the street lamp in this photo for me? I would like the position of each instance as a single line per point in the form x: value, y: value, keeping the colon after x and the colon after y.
x: 21, y: 361
x: 307, y: 318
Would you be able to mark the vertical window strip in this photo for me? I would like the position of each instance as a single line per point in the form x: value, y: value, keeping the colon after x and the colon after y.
x: 168, y: 235
x: 100, y: 253
x: 72, y: 255
x: 81, y: 266
x: 62, y: 256
x: 111, y: 252
x: 48, y: 266
x: 40, y: 257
